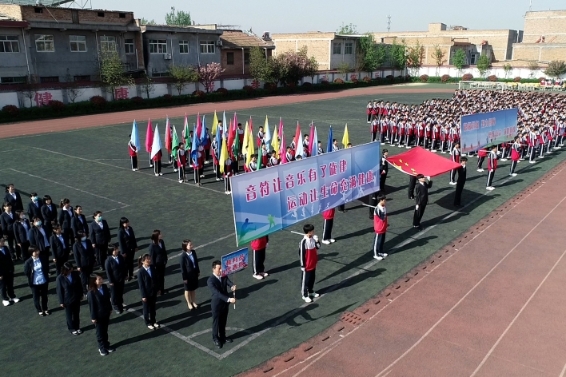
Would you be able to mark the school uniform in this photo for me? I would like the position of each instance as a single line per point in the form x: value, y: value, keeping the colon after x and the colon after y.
x: 196, y: 158
x: 79, y: 224
x: 219, y: 303
x: 15, y: 201
x: 158, y: 255
x: 190, y: 270
x: 308, y: 257
x: 128, y: 245
x: 59, y: 250
x: 157, y: 163
x: 258, y: 246
x: 411, y: 189
x: 117, y: 272
x: 383, y: 169
x: 49, y: 213
x: 7, y: 274
x: 515, y: 156
x: 100, y: 236
x: 39, y: 237
x: 328, y: 217
x: 65, y: 220
x: 70, y: 293
x: 100, y: 310
x: 21, y: 229
x: 455, y: 155
x: 7, y: 221
x: 37, y: 272
x: 491, y: 167
x: 380, y: 229
x: 421, y: 200
x: 34, y: 209
x: 147, y: 282
x: 133, y: 153
x: 460, y: 182
x: 85, y: 259
x: 181, y: 160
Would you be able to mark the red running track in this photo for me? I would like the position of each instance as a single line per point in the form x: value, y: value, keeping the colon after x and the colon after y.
x: 491, y: 304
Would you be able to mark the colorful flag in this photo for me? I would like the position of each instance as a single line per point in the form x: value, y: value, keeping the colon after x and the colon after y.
x: 202, y: 134
x: 224, y: 124
x: 168, y: 141
x: 280, y: 126
x: 175, y: 143
x: 330, y: 138
x: 314, y: 144
x: 267, y: 133
x: 275, y: 144
x: 311, y: 135
x: 250, y: 144
x: 186, y: 132
x: 134, y: 136
x: 148, y: 137
x: 223, y: 155
x: 346, y: 137
x: 199, y: 125
x: 244, y: 145
x: 299, y: 150
x: 214, y: 123
x: 296, y: 138
x: 195, y: 144
x: 283, y: 150
x: 156, y: 144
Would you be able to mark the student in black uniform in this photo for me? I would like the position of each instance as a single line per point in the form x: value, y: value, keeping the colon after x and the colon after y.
x: 116, y: 271
x: 100, y: 311
x: 159, y: 258
x: 65, y: 218
x: 100, y: 236
x: 34, y: 206
x: 6, y: 275
x: 421, y: 199
x: 39, y: 237
x: 7, y: 219
x: 412, y: 183
x: 461, y: 181
x: 21, y: 230
x: 84, y: 256
x: 70, y: 293
x: 59, y: 248
x: 128, y: 245
x: 13, y: 197
x: 190, y: 273
x: 78, y: 221
x: 36, y: 270
x: 384, y: 169
x: 147, y: 282
x: 48, y: 213
x: 220, y: 286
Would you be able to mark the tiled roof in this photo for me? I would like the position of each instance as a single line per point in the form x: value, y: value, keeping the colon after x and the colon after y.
x: 239, y: 39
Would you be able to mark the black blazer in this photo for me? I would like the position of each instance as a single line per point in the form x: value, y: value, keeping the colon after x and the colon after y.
x: 99, y: 304
x: 16, y: 203
x: 146, y: 283
x: 116, y: 272
x: 20, y: 233
x: 28, y: 269
x: 59, y: 251
x: 421, y: 193
x: 68, y: 292
x: 127, y: 243
x: 36, y: 238
x: 461, y: 177
x: 158, y: 254
x: 84, y: 257
x: 99, y: 236
x: 220, y: 289
x: 78, y: 226
x: 49, y: 215
x: 6, y: 263
x: 188, y: 270
x: 35, y: 210
x: 7, y: 223
x: 383, y: 165
x: 65, y: 219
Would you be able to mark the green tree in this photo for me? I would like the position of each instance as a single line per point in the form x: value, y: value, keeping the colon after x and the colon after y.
x: 556, y: 68
x: 112, y: 73
x: 178, y: 18
x: 398, y: 55
x: 415, y: 57
x: 507, y: 68
x: 368, y: 54
x: 343, y: 68
x: 182, y: 75
x: 260, y: 66
x: 147, y: 85
x: 311, y: 68
x: 438, y: 55
x: 459, y: 60
x: 483, y: 65
x: 145, y: 21
x: 349, y: 29
x: 290, y: 67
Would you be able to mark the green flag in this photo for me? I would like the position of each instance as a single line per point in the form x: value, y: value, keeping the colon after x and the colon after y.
x: 175, y: 143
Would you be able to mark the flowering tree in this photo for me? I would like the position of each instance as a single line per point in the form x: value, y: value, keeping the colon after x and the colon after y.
x: 290, y: 66
x: 209, y: 73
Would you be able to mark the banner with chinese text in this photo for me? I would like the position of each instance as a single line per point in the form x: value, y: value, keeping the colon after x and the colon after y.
x: 274, y: 198
x: 234, y: 262
x: 480, y: 130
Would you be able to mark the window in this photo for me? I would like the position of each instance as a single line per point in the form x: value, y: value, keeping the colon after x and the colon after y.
x: 184, y: 47
x: 157, y: 46
x: 107, y: 43
x: 129, y: 46
x: 246, y: 58
x: 13, y: 80
x: 44, y: 43
x: 9, y: 43
x: 38, y: 10
x: 122, y: 15
x: 229, y: 58
x: 49, y: 79
x: 337, y: 48
x: 100, y: 14
x: 348, y: 48
x: 77, y: 43
x: 207, y: 48
x: 82, y: 78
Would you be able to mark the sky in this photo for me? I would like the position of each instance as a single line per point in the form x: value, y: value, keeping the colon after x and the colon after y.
x: 288, y: 16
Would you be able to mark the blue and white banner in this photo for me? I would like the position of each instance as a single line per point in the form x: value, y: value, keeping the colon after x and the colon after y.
x: 234, y: 262
x: 480, y: 130
x: 274, y: 198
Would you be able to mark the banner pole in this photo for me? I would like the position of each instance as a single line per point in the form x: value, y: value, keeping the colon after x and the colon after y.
x: 234, y: 292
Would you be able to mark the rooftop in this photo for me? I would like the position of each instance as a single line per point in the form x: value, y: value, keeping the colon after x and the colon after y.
x: 239, y: 39
x: 48, y: 3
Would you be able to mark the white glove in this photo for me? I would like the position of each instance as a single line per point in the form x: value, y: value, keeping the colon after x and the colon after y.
x: 315, y: 237
x: 303, y: 269
x: 417, y: 206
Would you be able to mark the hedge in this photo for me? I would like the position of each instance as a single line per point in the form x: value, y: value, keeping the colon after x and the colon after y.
x: 98, y: 105
x: 438, y: 80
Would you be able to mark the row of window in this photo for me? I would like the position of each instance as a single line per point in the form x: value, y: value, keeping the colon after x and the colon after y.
x: 43, y: 79
x: 77, y: 43
x: 348, y: 48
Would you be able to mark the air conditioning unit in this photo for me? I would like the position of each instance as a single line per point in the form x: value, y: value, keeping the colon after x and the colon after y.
x: 219, y: 43
x: 167, y: 56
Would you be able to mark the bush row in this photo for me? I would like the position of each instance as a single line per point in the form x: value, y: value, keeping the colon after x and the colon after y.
x: 98, y: 104
x: 469, y: 77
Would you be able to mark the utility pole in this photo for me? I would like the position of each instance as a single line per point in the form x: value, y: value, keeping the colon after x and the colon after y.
x: 389, y: 22
x: 530, y: 5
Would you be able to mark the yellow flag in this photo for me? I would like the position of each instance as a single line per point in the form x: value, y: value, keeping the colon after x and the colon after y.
x: 245, y: 140
x: 275, y: 142
x: 214, y: 124
x: 223, y: 153
x: 346, y: 137
x: 250, y: 142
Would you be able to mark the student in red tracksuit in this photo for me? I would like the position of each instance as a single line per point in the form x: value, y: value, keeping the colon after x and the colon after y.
x: 491, y: 167
x: 380, y: 228
x: 133, y: 151
x: 328, y: 217
x: 181, y: 160
x: 516, y: 150
x: 228, y: 172
x: 258, y: 246
x: 309, y: 258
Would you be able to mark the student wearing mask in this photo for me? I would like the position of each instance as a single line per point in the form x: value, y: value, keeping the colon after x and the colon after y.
x: 59, y: 248
x: 100, y: 311
x: 7, y: 275
x: 116, y: 271
x: 70, y: 293
x: 21, y: 230
x: 147, y: 282
x: 39, y: 237
x: 34, y: 206
x: 36, y: 270
x: 128, y: 245
x: 100, y: 237
x: 84, y: 256
x: 159, y: 258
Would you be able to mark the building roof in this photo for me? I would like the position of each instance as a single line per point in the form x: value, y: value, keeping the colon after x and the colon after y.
x: 178, y: 29
x: 239, y: 39
x: 47, y: 3
x: 6, y: 21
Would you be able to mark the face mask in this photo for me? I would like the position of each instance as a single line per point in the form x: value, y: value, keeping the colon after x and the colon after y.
x: 83, y: 238
x: 38, y: 223
x: 99, y: 219
x: 34, y: 198
x: 22, y: 218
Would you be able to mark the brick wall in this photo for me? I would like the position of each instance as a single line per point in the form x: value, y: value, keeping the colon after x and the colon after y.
x: 318, y: 45
x: 65, y: 15
x: 551, y: 24
x: 12, y: 11
x: 542, y: 52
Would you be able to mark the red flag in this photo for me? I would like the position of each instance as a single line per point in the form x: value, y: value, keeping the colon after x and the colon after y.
x: 311, y: 138
x: 148, y: 137
x: 297, y: 136
x: 199, y: 125
x: 283, y: 150
x: 235, y: 124
x: 231, y: 137
x: 168, y: 139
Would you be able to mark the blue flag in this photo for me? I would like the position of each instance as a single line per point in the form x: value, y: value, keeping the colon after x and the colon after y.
x: 202, y: 136
x: 134, y: 136
x: 329, y: 144
x: 195, y: 145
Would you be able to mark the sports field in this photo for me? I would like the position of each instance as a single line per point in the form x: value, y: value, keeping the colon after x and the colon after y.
x: 91, y: 168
